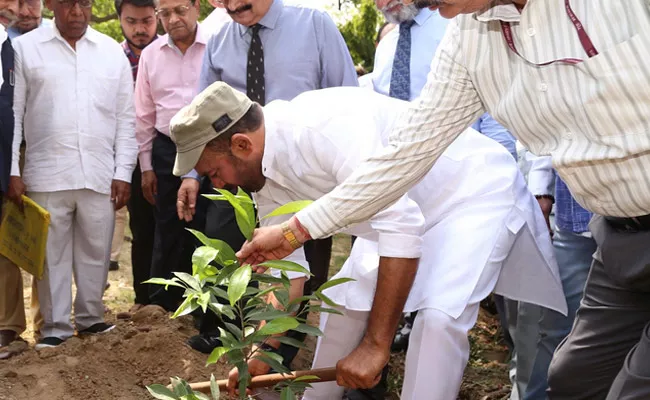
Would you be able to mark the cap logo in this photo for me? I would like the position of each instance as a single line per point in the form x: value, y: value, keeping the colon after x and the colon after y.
x: 221, y: 123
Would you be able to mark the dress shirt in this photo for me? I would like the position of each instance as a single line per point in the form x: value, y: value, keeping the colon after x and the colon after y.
x: 543, y: 180
x: 75, y: 107
x: 133, y: 59
x: 166, y: 83
x: 308, y: 151
x: 3, y: 37
x: 495, y: 131
x: 591, y: 117
x: 426, y: 34
x: 13, y: 32
x: 303, y: 50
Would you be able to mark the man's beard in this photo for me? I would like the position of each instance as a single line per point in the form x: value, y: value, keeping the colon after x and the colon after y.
x: 426, y: 3
x: 138, y: 46
x: 406, y: 13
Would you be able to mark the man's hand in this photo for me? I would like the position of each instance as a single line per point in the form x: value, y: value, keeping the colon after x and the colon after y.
x: 546, y: 205
x: 255, y: 367
x: 269, y: 243
x: 186, y: 203
x: 362, y: 368
x: 16, y: 190
x: 120, y: 193
x: 149, y: 186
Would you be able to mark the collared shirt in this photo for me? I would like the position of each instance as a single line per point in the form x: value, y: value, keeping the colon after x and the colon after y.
x: 132, y: 57
x: 303, y: 50
x: 75, y: 107
x: 426, y: 34
x: 592, y: 118
x: 3, y: 37
x: 166, y: 83
x: 318, y: 139
x: 13, y: 32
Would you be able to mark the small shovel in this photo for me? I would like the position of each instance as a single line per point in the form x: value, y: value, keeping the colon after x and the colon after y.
x: 262, y: 381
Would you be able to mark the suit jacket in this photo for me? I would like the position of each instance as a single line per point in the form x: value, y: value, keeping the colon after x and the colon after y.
x: 6, y: 113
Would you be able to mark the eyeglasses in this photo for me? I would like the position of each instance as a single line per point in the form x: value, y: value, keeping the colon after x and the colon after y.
x: 181, y: 11
x: 71, y: 3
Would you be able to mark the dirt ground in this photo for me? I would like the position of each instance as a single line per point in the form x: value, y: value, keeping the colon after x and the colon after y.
x: 150, y: 348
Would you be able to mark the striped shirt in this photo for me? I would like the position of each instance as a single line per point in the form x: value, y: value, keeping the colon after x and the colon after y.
x: 591, y: 117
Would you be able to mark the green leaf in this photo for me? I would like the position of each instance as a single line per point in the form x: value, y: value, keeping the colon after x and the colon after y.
x: 181, y: 388
x: 214, y: 388
x: 204, y: 300
x: 266, y: 278
x: 219, y: 309
x: 226, y: 253
x: 263, y: 315
x: 225, y: 273
x: 284, y: 265
x: 289, y: 208
x: 186, y: 307
x: 303, y: 378
x: 324, y: 310
x: 279, y: 325
x: 291, y: 342
x: 282, y: 296
x: 204, y: 255
x: 166, y: 282
x: 326, y: 299
x: 308, y: 329
x: 238, y: 283
x: 244, y: 213
x: 234, y: 329
x: 272, y: 362
x: 161, y: 392
x: 218, y: 292
x: 214, y: 357
x: 249, y: 330
x: 334, y: 282
x: 287, y: 394
x: 188, y: 279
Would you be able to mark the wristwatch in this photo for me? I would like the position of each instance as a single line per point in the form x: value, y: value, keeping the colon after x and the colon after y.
x: 290, y: 236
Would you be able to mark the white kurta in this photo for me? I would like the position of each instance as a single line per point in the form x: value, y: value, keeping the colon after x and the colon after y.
x: 474, y: 201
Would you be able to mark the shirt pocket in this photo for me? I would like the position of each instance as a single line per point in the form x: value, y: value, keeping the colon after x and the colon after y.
x: 616, y: 99
x: 293, y: 76
x: 104, y: 89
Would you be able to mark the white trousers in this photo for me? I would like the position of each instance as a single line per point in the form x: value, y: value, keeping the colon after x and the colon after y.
x: 435, y: 361
x: 118, y: 233
x: 78, y: 243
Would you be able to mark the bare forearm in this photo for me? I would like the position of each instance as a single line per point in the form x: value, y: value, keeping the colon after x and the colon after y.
x: 394, y: 281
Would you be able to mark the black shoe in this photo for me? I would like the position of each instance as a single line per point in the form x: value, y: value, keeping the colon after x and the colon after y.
x: 205, y: 342
x: 100, y: 327
x: 113, y: 266
x: 46, y: 342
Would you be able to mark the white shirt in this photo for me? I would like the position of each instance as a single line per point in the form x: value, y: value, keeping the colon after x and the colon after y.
x: 467, y: 209
x: 76, y: 110
x: 426, y: 34
x: 592, y: 118
x: 3, y: 37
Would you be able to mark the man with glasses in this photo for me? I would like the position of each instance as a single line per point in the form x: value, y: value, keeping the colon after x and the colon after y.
x: 167, y: 80
x: 73, y: 104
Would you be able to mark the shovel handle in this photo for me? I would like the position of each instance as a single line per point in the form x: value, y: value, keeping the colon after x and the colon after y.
x: 260, y: 381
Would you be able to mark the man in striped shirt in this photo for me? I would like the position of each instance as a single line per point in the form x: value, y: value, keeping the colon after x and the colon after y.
x: 569, y: 79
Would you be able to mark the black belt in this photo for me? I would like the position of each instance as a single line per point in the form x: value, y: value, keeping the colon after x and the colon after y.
x: 633, y: 224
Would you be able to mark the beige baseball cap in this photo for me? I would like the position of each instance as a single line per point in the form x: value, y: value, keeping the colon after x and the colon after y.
x: 211, y: 113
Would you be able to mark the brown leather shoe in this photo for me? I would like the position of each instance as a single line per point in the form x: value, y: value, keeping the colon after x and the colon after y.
x: 6, y: 337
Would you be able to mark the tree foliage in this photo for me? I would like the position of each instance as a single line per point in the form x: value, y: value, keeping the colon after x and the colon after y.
x: 360, y: 29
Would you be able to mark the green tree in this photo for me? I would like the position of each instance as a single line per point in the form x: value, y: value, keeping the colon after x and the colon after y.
x: 360, y: 29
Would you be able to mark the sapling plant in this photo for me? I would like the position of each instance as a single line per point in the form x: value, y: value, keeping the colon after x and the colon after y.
x: 239, y: 298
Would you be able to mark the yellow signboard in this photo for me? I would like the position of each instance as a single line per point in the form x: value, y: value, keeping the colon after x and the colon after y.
x: 23, y: 235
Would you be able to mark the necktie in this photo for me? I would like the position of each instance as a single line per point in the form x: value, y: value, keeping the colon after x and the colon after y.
x: 255, y: 89
x: 400, y: 78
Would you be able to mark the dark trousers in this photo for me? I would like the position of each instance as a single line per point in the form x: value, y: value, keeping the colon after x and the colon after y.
x: 606, y: 354
x: 142, y: 224
x: 173, y: 245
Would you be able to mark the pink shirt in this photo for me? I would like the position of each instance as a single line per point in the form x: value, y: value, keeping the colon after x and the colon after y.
x: 167, y: 81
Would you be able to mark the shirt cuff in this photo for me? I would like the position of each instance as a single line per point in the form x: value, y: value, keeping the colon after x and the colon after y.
x: 15, y: 169
x: 122, y: 174
x: 398, y: 245
x: 540, y: 182
x: 308, y: 217
x: 145, y: 161
x: 192, y: 174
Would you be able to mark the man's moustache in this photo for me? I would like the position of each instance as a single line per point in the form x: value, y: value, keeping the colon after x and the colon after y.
x: 427, y: 3
x: 243, y: 8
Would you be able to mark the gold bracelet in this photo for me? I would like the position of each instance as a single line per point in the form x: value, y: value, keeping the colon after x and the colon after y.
x: 290, y: 236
